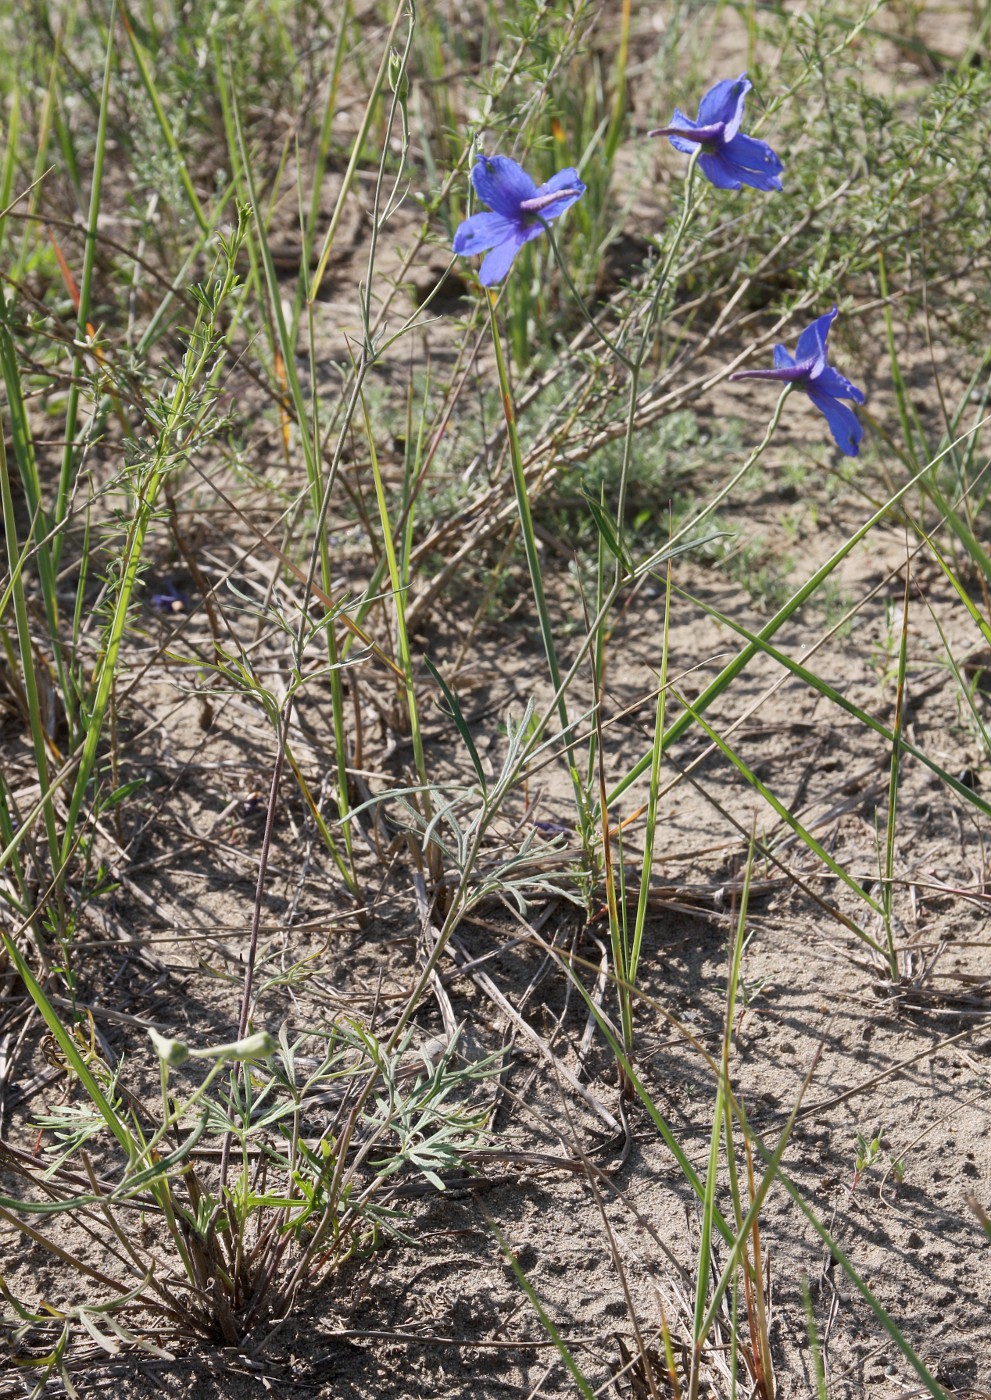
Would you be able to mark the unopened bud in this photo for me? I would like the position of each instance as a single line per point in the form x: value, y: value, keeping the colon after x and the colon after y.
x: 172, y: 1052
x: 398, y: 77
x: 260, y: 1046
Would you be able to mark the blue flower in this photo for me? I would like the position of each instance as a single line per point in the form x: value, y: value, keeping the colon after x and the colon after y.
x: 825, y: 386
x: 729, y: 159
x: 170, y: 600
x: 516, y: 203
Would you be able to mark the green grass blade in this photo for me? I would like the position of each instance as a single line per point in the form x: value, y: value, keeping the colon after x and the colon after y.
x: 929, y: 1382
x: 459, y: 721
x: 733, y: 668
x: 70, y: 1049
x: 796, y: 826
x: 546, y: 1321
x: 70, y: 452
x: 165, y: 126
x: 829, y: 692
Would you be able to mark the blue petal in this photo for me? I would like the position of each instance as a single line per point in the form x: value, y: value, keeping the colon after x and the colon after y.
x: 501, y: 184
x: 812, y: 341
x: 782, y: 360
x: 830, y: 381
x: 564, y: 180
x: 720, y: 172
x: 679, y: 119
x: 483, y: 231
x: 500, y: 260
x: 724, y: 103
x: 843, y: 422
x: 756, y: 158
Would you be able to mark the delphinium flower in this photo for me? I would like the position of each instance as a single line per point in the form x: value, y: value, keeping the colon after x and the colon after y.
x: 518, y: 205
x: 825, y: 386
x: 171, y: 599
x: 729, y: 159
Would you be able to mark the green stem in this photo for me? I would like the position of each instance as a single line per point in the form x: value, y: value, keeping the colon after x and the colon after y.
x: 687, y: 214
x: 399, y: 598
x: 29, y: 679
x: 530, y: 545
x: 636, y: 365
x: 657, y: 753
x: 734, y: 480
x: 581, y: 303
x: 69, y: 451
x: 887, y: 888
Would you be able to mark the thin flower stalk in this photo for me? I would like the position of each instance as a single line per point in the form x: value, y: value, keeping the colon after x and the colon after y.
x: 656, y: 755
x: 634, y: 364
x: 530, y: 546
x: 399, y: 599
x: 687, y: 214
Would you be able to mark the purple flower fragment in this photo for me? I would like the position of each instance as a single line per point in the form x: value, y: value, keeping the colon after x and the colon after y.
x: 518, y: 206
x: 729, y: 159
x: 825, y: 386
x: 171, y: 599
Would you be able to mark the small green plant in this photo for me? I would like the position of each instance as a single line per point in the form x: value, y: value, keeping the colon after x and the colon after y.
x: 257, y: 1179
x: 884, y: 651
x: 866, y: 1153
